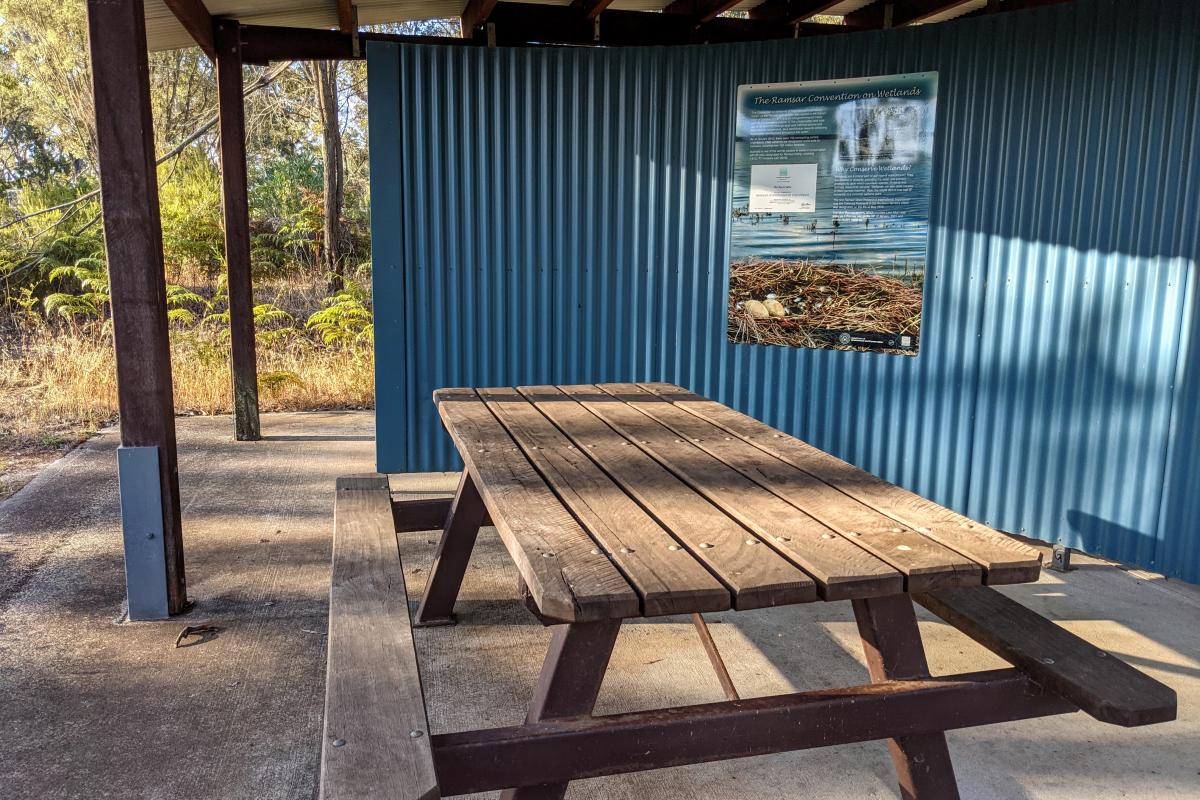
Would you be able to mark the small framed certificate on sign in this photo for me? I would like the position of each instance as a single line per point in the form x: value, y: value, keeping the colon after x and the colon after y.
x: 783, y: 187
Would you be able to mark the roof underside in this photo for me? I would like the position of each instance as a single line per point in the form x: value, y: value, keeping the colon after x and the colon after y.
x: 164, y: 31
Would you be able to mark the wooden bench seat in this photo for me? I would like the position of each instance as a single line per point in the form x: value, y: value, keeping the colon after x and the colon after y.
x: 376, y: 742
x: 1101, y: 684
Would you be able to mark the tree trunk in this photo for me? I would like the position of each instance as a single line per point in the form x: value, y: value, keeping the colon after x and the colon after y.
x: 325, y: 79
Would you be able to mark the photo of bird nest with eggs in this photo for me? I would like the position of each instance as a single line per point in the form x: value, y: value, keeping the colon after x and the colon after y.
x: 807, y: 304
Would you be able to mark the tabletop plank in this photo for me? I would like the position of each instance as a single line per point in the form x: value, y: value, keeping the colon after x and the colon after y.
x: 756, y: 575
x: 1003, y: 558
x: 925, y: 563
x: 554, y: 555
x: 669, y: 581
x: 842, y: 569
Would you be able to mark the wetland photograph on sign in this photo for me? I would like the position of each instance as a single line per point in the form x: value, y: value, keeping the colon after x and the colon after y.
x: 829, y: 225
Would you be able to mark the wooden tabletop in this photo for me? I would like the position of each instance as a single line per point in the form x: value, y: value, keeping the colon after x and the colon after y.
x: 624, y: 500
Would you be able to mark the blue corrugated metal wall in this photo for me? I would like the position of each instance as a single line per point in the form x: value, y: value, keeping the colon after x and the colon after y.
x: 561, y: 215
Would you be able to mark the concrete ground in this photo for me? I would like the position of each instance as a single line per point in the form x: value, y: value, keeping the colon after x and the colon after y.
x: 91, y: 706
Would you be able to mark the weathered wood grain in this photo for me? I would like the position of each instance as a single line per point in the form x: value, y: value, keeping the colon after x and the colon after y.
x: 1099, y: 683
x: 756, y: 575
x: 1003, y: 558
x: 376, y: 742
x: 669, y: 582
x: 677, y: 434
x: 568, y: 575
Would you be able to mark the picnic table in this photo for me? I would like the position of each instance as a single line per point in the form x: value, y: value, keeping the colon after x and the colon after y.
x: 620, y: 501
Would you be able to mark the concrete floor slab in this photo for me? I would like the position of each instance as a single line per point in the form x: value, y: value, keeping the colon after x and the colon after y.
x: 92, y: 707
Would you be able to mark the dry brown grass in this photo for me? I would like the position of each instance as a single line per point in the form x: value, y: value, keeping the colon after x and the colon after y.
x: 57, y: 388
x: 820, y: 298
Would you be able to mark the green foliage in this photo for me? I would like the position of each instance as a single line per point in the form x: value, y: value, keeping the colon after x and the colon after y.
x: 190, y: 207
x: 271, y: 323
x: 346, y: 318
x: 274, y: 382
x: 87, y: 295
x: 181, y: 304
x: 91, y: 297
x: 52, y: 264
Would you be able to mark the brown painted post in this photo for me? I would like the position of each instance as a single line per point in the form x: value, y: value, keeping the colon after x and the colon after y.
x: 892, y: 644
x: 568, y: 685
x: 231, y: 111
x: 133, y: 243
x: 466, y: 514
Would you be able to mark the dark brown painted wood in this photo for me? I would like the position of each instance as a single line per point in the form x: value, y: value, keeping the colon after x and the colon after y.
x: 420, y: 514
x: 133, y: 245
x: 1003, y: 558
x: 892, y: 644
x: 568, y: 686
x: 234, y: 198
x: 519, y: 24
x: 475, y: 15
x: 196, y: 20
x: 583, y: 747
x: 700, y: 10
x: 903, y: 12
x: 791, y: 11
x: 756, y: 576
x: 462, y: 521
x: 668, y: 581
x: 590, y: 8
x: 568, y: 575
x: 1098, y: 682
x: 769, y: 490
x: 345, y: 9
x: 376, y: 743
x: 265, y: 43
x: 714, y: 657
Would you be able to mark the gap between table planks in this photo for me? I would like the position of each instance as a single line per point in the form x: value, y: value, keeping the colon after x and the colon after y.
x: 569, y: 578
x: 756, y: 576
x: 668, y: 580
x: 1004, y: 559
x: 760, y: 489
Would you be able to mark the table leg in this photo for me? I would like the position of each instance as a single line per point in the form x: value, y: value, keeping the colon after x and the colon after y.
x: 453, y: 553
x: 892, y: 642
x: 568, y: 686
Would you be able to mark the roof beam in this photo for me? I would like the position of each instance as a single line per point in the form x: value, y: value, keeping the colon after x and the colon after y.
x: 590, y: 8
x: 700, y: 10
x: 196, y: 20
x: 520, y: 24
x: 994, y: 7
x: 265, y: 43
x: 791, y: 11
x: 346, y: 15
x: 908, y: 12
x: 475, y: 15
